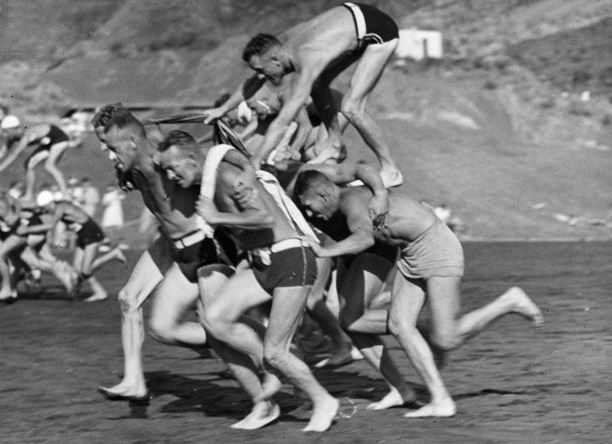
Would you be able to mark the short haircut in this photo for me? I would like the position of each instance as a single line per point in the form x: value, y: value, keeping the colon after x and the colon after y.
x: 106, y: 113
x: 177, y: 138
x: 258, y: 45
x: 124, y: 120
x: 307, y: 180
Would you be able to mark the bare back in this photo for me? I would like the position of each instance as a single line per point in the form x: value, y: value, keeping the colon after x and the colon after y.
x: 321, y: 40
x: 227, y: 178
x: 408, y: 218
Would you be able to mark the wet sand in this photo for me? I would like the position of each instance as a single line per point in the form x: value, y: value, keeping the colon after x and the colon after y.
x: 511, y: 383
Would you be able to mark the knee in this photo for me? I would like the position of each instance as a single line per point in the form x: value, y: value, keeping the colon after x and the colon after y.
x: 128, y: 301
x: 214, y: 323
x: 351, y: 109
x: 50, y: 167
x: 445, y: 341
x: 160, y: 330
x: 399, y: 327
x: 275, y: 356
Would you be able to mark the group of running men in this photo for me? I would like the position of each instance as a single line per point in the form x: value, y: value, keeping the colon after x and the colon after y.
x: 243, y: 226
x: 26, y: 220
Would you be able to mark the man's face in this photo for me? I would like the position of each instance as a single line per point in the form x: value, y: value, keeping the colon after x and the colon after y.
x: 99, y: 130
x: 318, y: 203
x: 179, y: 166
x: 268, y: 67
x: 122, y: 147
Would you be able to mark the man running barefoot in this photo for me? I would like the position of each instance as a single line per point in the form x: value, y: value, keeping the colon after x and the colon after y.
x: 430, y: 269
x: 168, y: 269
x: 279, y: 267
x: 89, y: 236
x: 27, y: 247
x: 316, y: 52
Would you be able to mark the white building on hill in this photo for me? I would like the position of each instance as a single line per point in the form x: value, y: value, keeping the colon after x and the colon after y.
x: 418, y: 44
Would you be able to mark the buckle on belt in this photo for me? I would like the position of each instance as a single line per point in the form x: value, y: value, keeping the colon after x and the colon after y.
x: 188, y: 240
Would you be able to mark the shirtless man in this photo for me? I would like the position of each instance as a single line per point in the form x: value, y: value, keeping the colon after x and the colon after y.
x: 88, y: 238
x: 316, y: 52
x: 430, y: 268
x: 305, y: 136
x: 50, y: 142
x: 168, y: 269
x: 279, y: 267
x: 18, y: 246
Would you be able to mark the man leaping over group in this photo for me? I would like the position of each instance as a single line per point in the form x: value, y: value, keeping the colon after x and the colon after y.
x: 316, y: 52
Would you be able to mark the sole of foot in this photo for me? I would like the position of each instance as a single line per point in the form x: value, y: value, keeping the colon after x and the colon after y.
x: 391, y: 179
x: 525, y: 306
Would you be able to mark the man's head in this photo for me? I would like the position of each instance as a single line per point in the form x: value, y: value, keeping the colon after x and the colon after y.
x: 317, y: 196
x: 179, y: 155
x: 264, y: 55
x: 103, y: 116
x: 124, y: 135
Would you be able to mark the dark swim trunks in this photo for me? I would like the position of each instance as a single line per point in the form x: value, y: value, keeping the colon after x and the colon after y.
x: 372, y: 25
x: 287, y: 263
x: 192, y: 252
x: 89, y: 233
x: 44, y: 144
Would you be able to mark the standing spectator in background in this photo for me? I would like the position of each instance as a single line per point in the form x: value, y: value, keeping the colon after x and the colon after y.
x: 113, y: 211
x: 90, y: 197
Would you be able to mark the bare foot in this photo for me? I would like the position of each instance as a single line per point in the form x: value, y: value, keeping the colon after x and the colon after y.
x: 323, y: 415
x: 394, y: 399
x: 270, y: 385
x: 391, y: 178
x: 444, y: 409
x: 124, y: 392
x: 524, y: 306
x: 338, y: 358
x: 263, y: 413
x: 8, y: 296
x: 96, y: 297
x: 337, y: 154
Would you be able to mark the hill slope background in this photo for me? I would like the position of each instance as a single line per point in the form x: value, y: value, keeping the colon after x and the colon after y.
x: 497, y: 130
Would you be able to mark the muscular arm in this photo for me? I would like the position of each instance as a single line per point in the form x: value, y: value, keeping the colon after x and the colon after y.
x: 253, y: 216
x: 354, y: 207
x: 244, y: 91
x: 294, y: 100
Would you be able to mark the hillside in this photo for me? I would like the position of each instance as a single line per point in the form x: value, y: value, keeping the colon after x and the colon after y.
x: 497, y: 130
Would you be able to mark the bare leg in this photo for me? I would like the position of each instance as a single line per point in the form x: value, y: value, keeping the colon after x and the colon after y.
x: 9, y: 245
x: 147, y: 274
x: 51, y: 166
x: 365, y: 77
x: 288, y: 305
x: 175, y: 298
x: 407, y: 300
x: 341, y: 343
x: 237, y: 343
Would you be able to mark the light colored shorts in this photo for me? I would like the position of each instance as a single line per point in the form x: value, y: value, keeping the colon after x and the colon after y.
x: 436, y: 252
